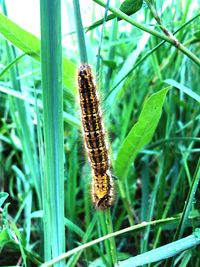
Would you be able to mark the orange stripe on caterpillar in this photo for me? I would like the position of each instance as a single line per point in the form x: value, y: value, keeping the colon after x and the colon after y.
x: 94, y: 137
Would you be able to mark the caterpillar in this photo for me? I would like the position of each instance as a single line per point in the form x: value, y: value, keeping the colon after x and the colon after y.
x: 94, y: 139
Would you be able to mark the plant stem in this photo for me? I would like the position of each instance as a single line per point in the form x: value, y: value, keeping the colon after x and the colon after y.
x: 125, y: 17
x: 111, y: 240
x: 107, y: 228
x: 163, y: 28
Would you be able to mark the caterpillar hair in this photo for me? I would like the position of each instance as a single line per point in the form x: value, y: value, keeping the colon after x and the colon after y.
x: 94, y: 139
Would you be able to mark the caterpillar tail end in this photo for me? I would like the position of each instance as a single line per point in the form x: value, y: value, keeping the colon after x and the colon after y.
x: 103, y: 192
x: 103, y: 203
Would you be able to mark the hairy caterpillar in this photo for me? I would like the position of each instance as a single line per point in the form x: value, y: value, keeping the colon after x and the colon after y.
x: 94, y: 137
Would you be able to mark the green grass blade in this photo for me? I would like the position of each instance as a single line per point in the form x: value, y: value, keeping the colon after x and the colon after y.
x: 20, y: 242
x: 183, y: 89
x: 141, y: 133
x: 189, y: 201
x: 163, y: 252
x: 126, y: 68
x: 117, y: 233
x: 187, y: 208
x: 11, y: 64
x: 74, y: 259
x: 107, y: 228
x: 186, y: 259
x: 53, y: 185
x: 152, y: 205
x: 80, y: 32
x: 3, y: 197
x: 30, y: 45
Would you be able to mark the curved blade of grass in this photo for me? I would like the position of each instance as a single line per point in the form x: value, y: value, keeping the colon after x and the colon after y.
x: 20, y: 243
x: 53, y: 184
x: 98, y: 240
x: 11, y: 64
x: 74, y: 259
x: 141, y: 133
x: 3, y: 197
x: 30, y: 45
x: 183, y: 88
x: 163, y: 252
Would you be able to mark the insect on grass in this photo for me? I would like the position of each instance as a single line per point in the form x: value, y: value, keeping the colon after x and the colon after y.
x: 94, y: 138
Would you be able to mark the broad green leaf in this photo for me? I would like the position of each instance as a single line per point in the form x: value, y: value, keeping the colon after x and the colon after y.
x: 129, y: 7
x: 22, y: 39
x: 163, y: 252
x: 4, y: 238
x: 141, y: 133
x: 30, y: 45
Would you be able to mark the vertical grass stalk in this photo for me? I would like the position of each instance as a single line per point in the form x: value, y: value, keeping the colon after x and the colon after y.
x: 80, y: 32
x: 53, y: 184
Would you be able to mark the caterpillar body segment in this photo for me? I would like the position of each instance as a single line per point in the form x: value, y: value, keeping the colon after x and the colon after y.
x: 94, y: 137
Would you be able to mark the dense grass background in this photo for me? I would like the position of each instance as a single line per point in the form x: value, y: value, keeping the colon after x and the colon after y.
x: 149, y: 88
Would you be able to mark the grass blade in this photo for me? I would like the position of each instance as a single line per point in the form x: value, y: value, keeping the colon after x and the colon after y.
x: 80, y: 32
x: 3, y: 197
x: 183, y: 89
x: 163, y: 252
x: 53, y: 184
